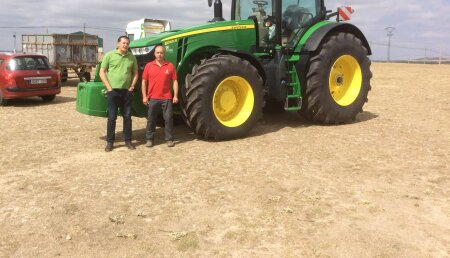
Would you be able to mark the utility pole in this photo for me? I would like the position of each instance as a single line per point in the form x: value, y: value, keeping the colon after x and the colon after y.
x: 389, y: 34
x: 425, y: 57
x: 14, y: 36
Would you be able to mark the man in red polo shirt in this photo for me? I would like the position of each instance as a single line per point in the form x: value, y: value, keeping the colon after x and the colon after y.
x: 158, y: 95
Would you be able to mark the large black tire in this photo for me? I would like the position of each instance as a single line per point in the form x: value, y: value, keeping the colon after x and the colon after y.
x: 3, y: 101
x: 48, y: 98
x: 338, y: 80
x: 223, y: 97
x: 273, y: 106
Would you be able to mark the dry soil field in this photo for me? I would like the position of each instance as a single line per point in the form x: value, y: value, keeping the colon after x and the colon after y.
x: 378, y: 187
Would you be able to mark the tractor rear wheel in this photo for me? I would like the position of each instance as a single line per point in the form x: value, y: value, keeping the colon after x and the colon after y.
x: 273, y: 106
x: 338, y: 80
x: 223, y: 97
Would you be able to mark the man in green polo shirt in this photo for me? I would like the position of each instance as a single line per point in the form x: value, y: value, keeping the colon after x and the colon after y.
x: 119, y: 73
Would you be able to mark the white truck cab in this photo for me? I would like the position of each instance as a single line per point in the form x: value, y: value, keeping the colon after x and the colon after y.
x: 145, y: 27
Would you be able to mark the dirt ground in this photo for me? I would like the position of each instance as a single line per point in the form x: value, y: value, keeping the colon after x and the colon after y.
x: 378, y: 187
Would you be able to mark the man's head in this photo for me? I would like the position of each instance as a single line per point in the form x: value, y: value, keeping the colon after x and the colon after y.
x: 159, y: 53
x: 123, y: 42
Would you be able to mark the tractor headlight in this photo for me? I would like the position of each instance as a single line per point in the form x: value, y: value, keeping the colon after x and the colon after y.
x: 142, y: 50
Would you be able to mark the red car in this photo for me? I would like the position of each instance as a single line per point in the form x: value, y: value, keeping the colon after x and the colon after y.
x: 27, y: 75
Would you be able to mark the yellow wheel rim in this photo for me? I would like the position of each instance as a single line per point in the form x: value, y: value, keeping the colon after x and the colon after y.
x: 233, y: 101
x: 345, y: 80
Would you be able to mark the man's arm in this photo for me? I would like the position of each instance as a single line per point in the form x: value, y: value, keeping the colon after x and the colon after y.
x: 175, y: 91
x: 105, y: 79
x: 135, y: 78
x: 144, y: 92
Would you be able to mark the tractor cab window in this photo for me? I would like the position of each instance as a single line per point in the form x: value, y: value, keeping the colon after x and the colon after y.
x: 296, y: 17
x: 262, y: 12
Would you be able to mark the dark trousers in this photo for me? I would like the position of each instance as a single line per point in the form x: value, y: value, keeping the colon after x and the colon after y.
x: 155, y: 106
x: 119, y: 99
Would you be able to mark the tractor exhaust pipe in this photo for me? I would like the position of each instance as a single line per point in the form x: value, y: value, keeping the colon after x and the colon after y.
x: 217, y: 10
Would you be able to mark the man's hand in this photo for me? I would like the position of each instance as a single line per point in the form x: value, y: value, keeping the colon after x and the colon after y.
x: 145, y: 100
x: 175, y: 100
x: 105, y: 79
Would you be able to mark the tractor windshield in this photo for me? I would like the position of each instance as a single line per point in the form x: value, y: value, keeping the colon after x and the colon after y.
x: 295, y: 16
x: 260, y: 12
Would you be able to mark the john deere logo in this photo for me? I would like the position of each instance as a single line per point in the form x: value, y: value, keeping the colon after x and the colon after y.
x: 239, y: 27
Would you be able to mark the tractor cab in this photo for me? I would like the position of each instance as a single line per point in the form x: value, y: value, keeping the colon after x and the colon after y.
x: 278, y: 22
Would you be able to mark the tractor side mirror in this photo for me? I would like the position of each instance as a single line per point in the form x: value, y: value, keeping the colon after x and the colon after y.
x: 209, y: 3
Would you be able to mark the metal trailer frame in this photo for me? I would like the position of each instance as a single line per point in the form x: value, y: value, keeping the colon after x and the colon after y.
x: 76, y: 52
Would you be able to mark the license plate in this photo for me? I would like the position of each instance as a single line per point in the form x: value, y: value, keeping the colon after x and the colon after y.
x: 38, y: 81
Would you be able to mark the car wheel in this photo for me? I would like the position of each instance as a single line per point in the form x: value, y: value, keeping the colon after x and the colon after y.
x: 3, y: 101
x: 48, y: 98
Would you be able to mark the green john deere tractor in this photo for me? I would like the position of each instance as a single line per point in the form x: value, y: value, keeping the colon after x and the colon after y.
x: 272, y: 55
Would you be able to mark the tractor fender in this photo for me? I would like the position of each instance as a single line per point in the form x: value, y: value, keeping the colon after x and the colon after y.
x: 247, y: 56
x: 313, y: 42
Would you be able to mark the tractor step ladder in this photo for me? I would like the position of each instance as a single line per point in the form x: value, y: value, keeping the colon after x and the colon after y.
x: 293, y: 99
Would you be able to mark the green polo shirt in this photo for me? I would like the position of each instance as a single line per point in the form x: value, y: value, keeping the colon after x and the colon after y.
x: 119, y: 68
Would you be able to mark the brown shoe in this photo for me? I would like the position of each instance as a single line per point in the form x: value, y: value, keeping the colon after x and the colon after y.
x: 109, y: 147
x: 170, y: 143
x: 130, y: 146
x: 149, y: 143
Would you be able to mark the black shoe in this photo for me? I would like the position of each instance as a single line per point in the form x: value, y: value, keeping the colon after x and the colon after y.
x: 149, y: 143
x: 170, y: 143
x: 130, y: 146
x: 109, y: 147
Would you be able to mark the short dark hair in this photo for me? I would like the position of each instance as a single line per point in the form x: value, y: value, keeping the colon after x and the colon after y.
x: 123, y: 37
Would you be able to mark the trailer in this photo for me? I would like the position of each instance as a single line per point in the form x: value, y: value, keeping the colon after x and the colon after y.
x: 145, y: 27
x: 77, y: 52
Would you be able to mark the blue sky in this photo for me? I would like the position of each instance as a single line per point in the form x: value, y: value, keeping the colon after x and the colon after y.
x: 421, y: 27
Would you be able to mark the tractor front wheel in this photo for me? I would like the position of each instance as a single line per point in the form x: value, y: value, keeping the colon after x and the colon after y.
x: 338, y: 80
x: 224, y: 97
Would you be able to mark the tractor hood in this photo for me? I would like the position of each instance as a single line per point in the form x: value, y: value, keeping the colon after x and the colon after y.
x: 168, y: 36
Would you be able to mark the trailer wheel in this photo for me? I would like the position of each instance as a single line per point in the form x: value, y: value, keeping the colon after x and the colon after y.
x: 84, y: 76
x: 224, y: 97
x: 338, y: 80
x: 64, y: 75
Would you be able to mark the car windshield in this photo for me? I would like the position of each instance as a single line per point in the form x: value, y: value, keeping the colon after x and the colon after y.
x: 28, y: 63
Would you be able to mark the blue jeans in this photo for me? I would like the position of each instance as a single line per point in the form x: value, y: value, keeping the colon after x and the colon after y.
x: 119, y: 98
x: 155, y: 106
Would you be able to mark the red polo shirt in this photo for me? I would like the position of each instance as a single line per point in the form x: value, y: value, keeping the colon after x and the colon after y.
x: 158, y: 78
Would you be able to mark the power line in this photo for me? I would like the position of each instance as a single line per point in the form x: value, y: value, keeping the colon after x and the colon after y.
x: 63, y: 27
x: 411, y: 48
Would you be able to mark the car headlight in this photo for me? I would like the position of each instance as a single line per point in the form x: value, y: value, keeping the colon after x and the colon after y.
x: 142, y: 50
